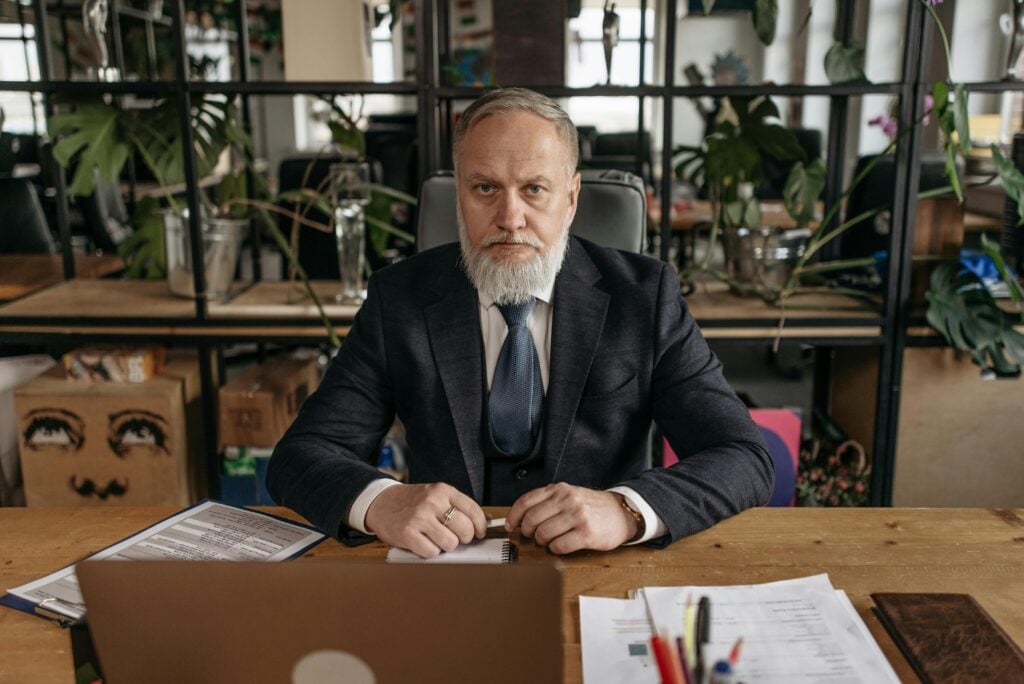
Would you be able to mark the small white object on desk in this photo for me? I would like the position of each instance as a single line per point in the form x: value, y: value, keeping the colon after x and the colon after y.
x: 485, y: 551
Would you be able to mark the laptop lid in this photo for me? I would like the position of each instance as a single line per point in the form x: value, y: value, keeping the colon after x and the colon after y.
x: 323, y: 621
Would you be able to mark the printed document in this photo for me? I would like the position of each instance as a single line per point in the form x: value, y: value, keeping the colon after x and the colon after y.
x: 800, y: 630
x: 207, y: 531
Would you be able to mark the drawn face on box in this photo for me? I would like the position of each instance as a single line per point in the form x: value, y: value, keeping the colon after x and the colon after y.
x: 94, y: 460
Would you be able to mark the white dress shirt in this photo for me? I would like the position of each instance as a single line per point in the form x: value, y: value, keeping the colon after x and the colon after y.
x: 494, y: 331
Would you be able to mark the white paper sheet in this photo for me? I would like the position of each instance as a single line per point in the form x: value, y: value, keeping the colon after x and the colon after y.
x: 793, y: 631
x: 208, y: 531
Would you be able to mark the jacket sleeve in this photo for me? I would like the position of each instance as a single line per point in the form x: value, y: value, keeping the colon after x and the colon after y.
x: 724, y: 465
x: 327, y: 456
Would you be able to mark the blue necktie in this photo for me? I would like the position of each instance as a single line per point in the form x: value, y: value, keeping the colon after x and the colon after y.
x: 517, y: 393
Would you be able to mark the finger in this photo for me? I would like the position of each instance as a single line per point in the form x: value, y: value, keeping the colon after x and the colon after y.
x: 542, y: 512
x: 568, y: 542
x: 524, y: 503
x: 462, y: 527
x: 471, y: 509
x: 423, y: 547
x: 552, y: 528
x: 442, y: 537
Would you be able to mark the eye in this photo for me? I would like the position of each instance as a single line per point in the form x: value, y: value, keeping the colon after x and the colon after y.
x: 53, y: 429
x: 133, y: 430
x: 484, y: 188
x: 534, y: 189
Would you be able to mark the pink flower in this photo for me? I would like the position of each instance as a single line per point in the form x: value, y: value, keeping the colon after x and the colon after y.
x: 889, y: 125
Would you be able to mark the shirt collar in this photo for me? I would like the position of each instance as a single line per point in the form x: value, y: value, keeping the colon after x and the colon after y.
x: 542, y: 294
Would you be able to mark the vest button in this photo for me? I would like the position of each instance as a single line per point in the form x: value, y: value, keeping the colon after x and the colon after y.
x: 521, y: 474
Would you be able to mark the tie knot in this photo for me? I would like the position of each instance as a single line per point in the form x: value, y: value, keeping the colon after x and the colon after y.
x: 516, y: 314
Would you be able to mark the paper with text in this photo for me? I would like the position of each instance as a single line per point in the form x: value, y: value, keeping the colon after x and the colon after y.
x: 207, y: 531
x: 793, y: 631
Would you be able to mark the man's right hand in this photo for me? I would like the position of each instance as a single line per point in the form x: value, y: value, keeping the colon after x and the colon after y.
x: 412, y: 517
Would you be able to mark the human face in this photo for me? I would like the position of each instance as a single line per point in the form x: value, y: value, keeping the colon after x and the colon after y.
x: 517, y: 195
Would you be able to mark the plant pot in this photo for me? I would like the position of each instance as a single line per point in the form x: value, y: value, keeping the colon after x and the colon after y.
x: 222, y: 242
x: 763, y: 257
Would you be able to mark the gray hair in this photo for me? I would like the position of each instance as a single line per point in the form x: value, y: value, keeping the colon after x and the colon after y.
x: 508, y: 100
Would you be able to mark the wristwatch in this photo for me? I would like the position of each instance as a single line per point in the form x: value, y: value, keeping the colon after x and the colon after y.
x: 641, y: 524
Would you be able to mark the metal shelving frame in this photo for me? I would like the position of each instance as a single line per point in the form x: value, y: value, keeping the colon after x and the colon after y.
x: 434, y: 105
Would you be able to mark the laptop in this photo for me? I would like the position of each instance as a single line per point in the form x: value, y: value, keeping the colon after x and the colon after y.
x: 323, y: 621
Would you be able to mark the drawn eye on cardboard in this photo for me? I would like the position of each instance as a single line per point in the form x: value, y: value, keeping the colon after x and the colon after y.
x: 137, y: 431
x: 53, y: 429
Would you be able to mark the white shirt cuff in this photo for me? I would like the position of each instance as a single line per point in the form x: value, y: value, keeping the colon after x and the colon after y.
x: 654, y: 526
x: 357, y: 513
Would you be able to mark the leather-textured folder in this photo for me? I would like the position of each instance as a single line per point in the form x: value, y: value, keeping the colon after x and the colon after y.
x: 950, y: 638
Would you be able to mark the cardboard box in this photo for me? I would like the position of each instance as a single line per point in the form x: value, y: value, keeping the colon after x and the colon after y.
x: 108, y: 444
x: 114, y: 364
x: 258, y: 406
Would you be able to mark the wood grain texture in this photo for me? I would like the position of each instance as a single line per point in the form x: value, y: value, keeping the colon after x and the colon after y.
x: 285, y: 300
x: 103, y: 298
x: 974, y: 551
x: 21, y: 274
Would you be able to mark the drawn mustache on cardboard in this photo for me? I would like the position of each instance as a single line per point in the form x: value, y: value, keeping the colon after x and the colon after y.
x: 88, y: 488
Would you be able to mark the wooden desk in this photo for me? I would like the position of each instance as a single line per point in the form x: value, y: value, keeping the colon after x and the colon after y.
x: 975, y: 551
x: 21, y: 274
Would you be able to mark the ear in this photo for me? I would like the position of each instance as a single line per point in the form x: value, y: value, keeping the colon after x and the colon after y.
x: 574, y: 196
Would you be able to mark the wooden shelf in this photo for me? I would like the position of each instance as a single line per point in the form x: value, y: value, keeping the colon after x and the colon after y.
x: 102, y: 299
x: 22, y: 274
x: 284, y: 300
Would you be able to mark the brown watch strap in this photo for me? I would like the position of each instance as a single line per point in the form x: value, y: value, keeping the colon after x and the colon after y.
x: 641, y: 524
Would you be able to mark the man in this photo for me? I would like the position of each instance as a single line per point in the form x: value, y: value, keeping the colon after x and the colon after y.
x: 526, y: 366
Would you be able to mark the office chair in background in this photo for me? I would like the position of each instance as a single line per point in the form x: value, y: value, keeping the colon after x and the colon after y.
x: 23, y: 228
x: 612, y: 210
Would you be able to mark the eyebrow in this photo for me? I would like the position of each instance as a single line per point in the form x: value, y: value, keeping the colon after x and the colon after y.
x: 476, y: 176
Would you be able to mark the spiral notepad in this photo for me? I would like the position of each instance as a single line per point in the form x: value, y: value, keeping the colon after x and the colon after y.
x: 484, y: 551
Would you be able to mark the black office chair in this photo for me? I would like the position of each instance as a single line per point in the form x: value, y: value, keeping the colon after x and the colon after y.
x: 878, y: 190
x: 612, y: 210
x: 620, y: 151
x: 23, y: 228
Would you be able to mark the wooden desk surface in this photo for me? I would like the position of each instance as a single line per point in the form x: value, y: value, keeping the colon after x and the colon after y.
x: 975, y: 551
x: 21, y: 274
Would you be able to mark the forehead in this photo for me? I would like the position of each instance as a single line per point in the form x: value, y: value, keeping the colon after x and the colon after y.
x: 515, y: 142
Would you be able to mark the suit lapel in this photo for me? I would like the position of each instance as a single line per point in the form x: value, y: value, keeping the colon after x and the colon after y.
x: 578, y: 321
x: 453, y: 324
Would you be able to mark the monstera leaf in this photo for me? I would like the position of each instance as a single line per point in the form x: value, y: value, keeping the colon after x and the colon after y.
x: 963, y: 311
x: 94, y: 133
x: 766, y: 13
x: 144, y: 250
x: 803, y: 188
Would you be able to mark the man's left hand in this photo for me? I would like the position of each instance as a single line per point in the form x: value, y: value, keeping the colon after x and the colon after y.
x: 566, y: 518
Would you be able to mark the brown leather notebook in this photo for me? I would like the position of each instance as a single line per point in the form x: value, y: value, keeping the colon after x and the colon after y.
x: 949, y: 638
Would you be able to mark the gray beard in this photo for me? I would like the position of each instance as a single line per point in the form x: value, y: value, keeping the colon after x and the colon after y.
x: 511, y: 283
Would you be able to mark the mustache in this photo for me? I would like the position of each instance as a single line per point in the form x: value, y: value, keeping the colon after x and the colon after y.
x: 87, y: 488
x: 503, y: 238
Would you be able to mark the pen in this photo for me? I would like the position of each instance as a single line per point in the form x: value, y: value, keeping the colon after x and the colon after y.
x: 703, y: 634
x: 690, y: 630
x: 723, y: 670
x: 670, y: 671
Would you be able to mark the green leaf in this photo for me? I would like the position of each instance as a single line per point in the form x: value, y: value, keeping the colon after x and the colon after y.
x: 778, y: 142
x: 845, y: 63
x: 940, y: 97
x: 765, y: 15
x: 1012, y: 180
x: 961, y: 116
x: 347, y: 136
x: 144, y: 250
x: 803, y: 188
x: 951, y: 173
x: 92, y: 135
x: 708, y: 6
x: 1014, y: 343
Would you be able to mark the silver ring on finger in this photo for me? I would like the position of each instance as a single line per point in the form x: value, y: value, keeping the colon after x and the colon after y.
x: 448, y: 515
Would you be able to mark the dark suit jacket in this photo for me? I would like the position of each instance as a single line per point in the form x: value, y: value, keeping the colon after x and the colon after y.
x: 624, y: 350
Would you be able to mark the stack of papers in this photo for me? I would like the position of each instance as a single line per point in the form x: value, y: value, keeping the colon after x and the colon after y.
x: 799, y: 630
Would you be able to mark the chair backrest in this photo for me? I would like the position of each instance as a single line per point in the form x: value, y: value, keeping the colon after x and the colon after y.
x: 23, y: 228
x: 612, y: 210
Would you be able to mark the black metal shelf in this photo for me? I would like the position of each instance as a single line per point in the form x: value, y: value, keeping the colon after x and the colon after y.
x: 995, y: 86
x: 91, y: 87
x: 303, y: 87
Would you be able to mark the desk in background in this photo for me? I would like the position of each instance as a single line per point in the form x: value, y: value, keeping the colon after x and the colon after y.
x: 975, y: 551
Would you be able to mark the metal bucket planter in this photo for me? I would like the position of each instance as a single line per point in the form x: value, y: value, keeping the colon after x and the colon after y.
x: 222, y: 242
x: 763, y: 257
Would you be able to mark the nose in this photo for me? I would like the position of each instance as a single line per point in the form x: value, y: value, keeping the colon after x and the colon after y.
x: 510, y: 212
